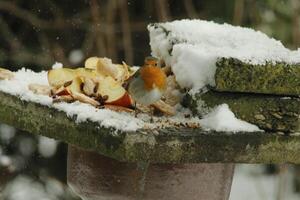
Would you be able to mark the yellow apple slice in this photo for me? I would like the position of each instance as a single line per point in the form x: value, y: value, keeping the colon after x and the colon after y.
x: 91, y: 63
x: 85, y: 99
x: 57, y: 77
x: 76, y: 85
x: 89, y: 86
x: 164, y: 108
x: 5, y: 74
x: 40, y: 89
x: 107, y: 68
x: 62, y: 91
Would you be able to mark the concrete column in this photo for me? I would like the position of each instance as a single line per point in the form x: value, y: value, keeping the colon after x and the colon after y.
x: 96, y: 177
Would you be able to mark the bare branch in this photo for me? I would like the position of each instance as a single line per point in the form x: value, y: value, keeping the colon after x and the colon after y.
x: 9, y: 36
x: 126, y: 29
x: 163, y: 10
x: 98, y: 34
x: 190, y: 8
x: 110, y: 30
x: 238, y: 12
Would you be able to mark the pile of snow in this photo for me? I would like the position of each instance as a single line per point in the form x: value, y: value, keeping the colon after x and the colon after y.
x: 223, y: 119
x: 18, y: 86
x: 192, y: 47
x: 24, y: 187
x: 57, y: 65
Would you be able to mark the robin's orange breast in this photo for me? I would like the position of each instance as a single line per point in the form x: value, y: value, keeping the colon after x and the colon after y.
x: 153, y: 77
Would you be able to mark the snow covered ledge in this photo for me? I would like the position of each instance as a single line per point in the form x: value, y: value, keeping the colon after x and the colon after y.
x: 178, y: 145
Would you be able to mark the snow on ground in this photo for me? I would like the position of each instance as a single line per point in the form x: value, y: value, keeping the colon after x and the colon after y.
x: 222, y: 118
x: 192, y: 47
x: 250, y: 183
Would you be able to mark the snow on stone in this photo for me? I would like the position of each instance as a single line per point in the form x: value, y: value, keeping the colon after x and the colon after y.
x: 18, y: 86
x: 223, y: 119
x: 192, y: 47
x: 57, y: 65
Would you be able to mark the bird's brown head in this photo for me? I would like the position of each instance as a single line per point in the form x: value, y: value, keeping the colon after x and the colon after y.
x: 151, y: 61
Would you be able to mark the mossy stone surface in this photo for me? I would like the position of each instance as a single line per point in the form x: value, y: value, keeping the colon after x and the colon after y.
x: 268, y: 112
x: 233, y: 75
x: 178, y: 145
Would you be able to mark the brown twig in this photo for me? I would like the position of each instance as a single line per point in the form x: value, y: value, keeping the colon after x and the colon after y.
x: 110, y: 30
x: 35, y: 21
x: 13, y: 9
x: 98, y: 36
x: 238, y: 12
x: 59, y: 54
x: 190, y: 8
x: 88, y: 42
x: 163, y: 10
x: 126, y: 29
x: 9, y: 36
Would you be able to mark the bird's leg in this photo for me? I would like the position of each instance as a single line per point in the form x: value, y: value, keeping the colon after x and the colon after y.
x: 135, y: 109
x: 151, y: 114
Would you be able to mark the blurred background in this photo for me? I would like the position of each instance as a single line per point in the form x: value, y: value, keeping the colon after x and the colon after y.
x: 35, y: 34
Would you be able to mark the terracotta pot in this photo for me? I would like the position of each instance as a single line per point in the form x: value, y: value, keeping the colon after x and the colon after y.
x: 96, y: 177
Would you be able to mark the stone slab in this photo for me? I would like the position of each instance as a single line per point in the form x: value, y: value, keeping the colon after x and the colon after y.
x: 268, y: 112
x: 233, y: 75
x: 161, y: 146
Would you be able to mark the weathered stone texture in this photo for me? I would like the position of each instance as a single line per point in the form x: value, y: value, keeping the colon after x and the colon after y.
x: 268, y: 112
x: 233, y: 75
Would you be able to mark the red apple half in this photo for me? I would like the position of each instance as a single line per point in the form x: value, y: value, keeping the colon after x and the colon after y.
x: 115, y: 93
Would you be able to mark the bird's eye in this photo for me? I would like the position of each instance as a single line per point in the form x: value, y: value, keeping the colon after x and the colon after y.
x: 155, y: 64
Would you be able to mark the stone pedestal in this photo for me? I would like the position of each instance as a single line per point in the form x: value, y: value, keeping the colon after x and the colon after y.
x: 96, y: 177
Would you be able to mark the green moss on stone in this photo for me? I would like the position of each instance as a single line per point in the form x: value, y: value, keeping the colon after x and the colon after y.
x: 233, y: 75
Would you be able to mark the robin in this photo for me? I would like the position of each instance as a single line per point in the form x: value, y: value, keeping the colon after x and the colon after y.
x: 148, y: 83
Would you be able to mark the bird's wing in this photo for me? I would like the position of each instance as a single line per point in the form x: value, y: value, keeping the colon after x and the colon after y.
x: 127, y: 82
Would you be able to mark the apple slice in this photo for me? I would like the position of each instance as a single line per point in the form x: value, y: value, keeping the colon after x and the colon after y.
x: 62, y: 91
x: 115, y: 93
x: 91, y: 63
x: 40, y: 89
x: 124, y: 101
x: 89, y: 86
x: 64, y: 98
x: 70, y: 87
x: 57, y: 77
x: 76, y: 85
x: 85, y: 99
x: 6, y: 74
